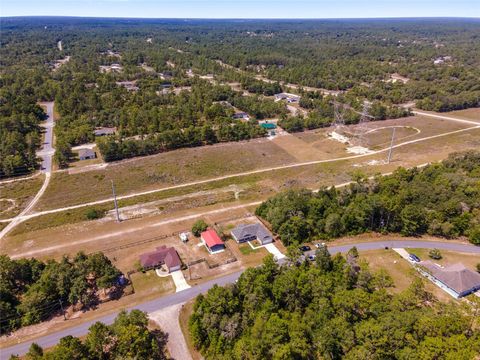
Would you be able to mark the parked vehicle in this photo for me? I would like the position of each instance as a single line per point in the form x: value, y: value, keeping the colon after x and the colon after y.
x: 319, y: 245
x: 413, y: 257
x: 305, y: 248
x: 311, y: 257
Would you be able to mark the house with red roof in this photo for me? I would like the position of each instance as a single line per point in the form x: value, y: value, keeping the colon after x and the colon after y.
x: 161, y: 256
x: 212, y: 241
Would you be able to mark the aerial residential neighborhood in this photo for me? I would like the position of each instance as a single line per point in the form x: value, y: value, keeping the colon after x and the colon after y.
x: 213, y: 180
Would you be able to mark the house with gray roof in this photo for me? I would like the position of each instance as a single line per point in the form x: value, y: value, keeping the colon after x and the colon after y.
x: 249, y: 232
x: 85, y: 154
x: 457, y: 280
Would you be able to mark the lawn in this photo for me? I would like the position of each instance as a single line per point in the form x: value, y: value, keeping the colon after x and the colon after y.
x: 449, y: 257
x: 401, y: 271
x: 246, y: 249
x: 148, y: 284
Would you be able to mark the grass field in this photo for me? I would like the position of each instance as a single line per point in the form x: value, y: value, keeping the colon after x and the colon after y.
x: 148, y: 284
x: 260, y: 186
x: 400, y: 271
x: 449, y: 258
x: 16, y: 195
x: 161, y: 170
x: 470, y: 114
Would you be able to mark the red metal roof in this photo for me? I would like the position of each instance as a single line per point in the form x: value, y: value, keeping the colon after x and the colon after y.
x: 211, y: 238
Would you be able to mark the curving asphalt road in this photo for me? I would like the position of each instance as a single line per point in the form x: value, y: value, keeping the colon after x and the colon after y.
x: 46, y: 153
x: 183, y: 296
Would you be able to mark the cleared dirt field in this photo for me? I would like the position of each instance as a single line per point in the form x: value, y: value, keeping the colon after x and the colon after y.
x: 15, y: 196
x: 254, y: 188
x: 311, y: 145
x: 165, y: 169
x: 406, y: 129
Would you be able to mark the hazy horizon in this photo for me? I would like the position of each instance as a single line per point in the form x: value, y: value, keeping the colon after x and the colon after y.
x: 243, y: 9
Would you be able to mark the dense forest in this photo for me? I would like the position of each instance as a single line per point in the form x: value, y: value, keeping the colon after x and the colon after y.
x: 32, y: 291
x: 333, y: 308
x: 441, y: 199
x: 154, y: 79
x: 127, y: 338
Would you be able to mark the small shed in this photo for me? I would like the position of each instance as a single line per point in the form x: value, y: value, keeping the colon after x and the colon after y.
x: 86, y: 154
x: 212, y: 241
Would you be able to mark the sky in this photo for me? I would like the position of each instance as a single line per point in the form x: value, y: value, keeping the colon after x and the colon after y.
x: 242, y: 8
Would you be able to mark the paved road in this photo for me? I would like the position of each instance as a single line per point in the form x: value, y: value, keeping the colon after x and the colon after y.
x: 46, y: 153
x: 183, y: 296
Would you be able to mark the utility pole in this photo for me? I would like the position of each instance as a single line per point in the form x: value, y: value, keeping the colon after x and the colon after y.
x: 115, y: 202
x: 63, y: 311
x: 391, y: 147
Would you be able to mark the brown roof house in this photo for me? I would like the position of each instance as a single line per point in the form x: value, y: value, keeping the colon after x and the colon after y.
x: 455, y: 279
x: 161, y: 256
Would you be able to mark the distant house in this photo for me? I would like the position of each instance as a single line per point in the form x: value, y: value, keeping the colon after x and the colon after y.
x: 102, y: 131
x: 212, y: 241
x: 249, y: 232
x: 166, y: 75
x: 129, y: 85
x: 241, y: 115
x: 441, y: 60
x: 287, y: 96
x: 455, y: 279
x: 116, y: 67
x: 86, y: 154
x: 161, y: 256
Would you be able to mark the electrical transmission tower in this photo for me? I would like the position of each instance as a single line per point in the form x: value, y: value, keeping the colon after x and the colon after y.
x: 362, y: 127
x: 338, y: 123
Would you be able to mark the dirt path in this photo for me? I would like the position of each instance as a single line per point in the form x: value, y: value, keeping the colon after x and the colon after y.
x: 443, y: 117
x: 24, y: 217
x: 162, y: 223
x: 167, y: 319
x: 20, y: 178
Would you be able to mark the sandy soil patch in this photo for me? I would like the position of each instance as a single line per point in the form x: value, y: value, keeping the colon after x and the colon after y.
x: 168, y: 320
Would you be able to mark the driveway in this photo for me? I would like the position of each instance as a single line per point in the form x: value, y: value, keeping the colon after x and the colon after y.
x: 47, y: 151
x: 272, y: 249
x: 179, y: 280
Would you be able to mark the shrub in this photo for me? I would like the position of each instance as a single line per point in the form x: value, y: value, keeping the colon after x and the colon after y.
x: 435, y: 254
x: 93, y: 214
x: 199, y: 227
